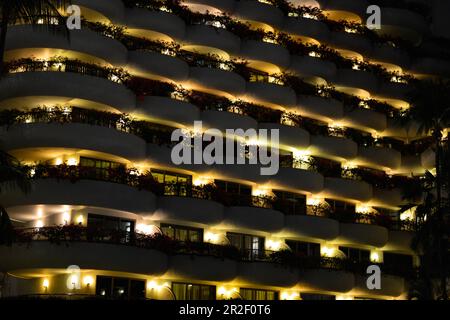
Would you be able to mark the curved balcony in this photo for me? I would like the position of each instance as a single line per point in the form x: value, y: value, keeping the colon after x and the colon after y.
x: 216, y: 81
x: 348, y: 189
x: 326, y: 280
x: 251, y: 218
x: 391, y: 55
x: 52, y: 88
x: 188, y: 209
x: 267, y: 274
x: 352, y: 42
x: 83, y: 193
x: 324, y: 109
x: 306, y: 29
x: 391, y: 286
x: 47, y: 255
x: 156, y: 65
x: 270, y: 94
x: 431, y: 66
x: 259, y: 12
x: 353, y: 81
x: 428, y: 159
x: 167, y: 110
x: 396, y: 94
x: 25, y: 41
x: 340, y: 148
x: 223, y: 120
x: 154, y: 25
x: 399, y: 241
x: 387, y: 198
x: 403, y: 23
x: 366, y: 119
x: 365, y: 234
x: 298, y: 226
x: 350, y: 10
x: 202, y: 268
x: 290, y: 137
x: 202, y: 5
x: 263, y: 56
x: 310, y: 67
x: 381, y: 157
x: 76, y: 136
x: 200, y: 36
x: 113, y: 10
x: 298, y: 180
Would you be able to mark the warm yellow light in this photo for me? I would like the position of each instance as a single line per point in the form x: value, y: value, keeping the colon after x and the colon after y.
x: 66, y: 217
x: 362, y: 208
x: 313, y: 201
x: 344, y: 297
x: 58, y: 161
x: 211, y: 237
x: 260, y: 192
x: 151, y: 285
x: 45, y: 284
x: 40, y: 213
x: 39, y: 224
x: 328, y: 251
x: 273, y: 244
x: 146, y: 229
x: 88, y: 280
x: 80, y: 219
x: 72, y: 161
x: 286, y: 295
x: 201, y: 181
x: 376, y: 256
x: 74, y: 281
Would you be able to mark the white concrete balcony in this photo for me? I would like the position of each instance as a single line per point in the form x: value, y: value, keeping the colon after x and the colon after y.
x: 299, y: 226
x: 348, y: 189
x: 259, y: 12
x: 267, y: 274
x: 264, y: 56
x: 306, y: 29
x: 316, y: 69
x: 223, y: 120
x: 253, y: 218
x: 24, y: 41
x: 168, y: 110
x: 113, y: 10
x: 155, y: 25
x: 335, y: 147
x: 200, y: 37
x: 75, y: 136
x: 351, y: 41
x: 57, y: 87
x: 380, y: 157
x: 270, y: 94
x: 290, y: 137
x: 83, y: 193
x: 399, y: 241
x: 349, y: 81
x: 353, y: 10
x: 363, y: 234
x: 204, y: 268
x: 187, y: 209
x: 391, y: 286
x: 403, y: 23
x: 366, y: 119
x: 298, y: 180
x: 155, y: 65
x: 216, y: 81
x: 326, y: 280
x: 324, y: 109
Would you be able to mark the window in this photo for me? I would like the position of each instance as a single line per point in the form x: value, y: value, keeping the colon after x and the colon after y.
x: 290, y: 203
x: 251, y: 246
x: 307, y: 249
x: 182, y: 233
x: 188, y: 291
x: 120, y: 288
x: 233, y: 188
x: 400, y: 261
x: 340, y: 206
x: 258, y: 294
x: 175, y: 184
x: 102, y: 168
x: 314, y: 296
x: 356, y: 255
x: 106, y: 228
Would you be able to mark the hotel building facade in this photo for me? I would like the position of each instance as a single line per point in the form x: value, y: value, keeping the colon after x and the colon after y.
x: 109, y: 214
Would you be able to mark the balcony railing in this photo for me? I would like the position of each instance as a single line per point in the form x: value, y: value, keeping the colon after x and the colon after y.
x: 67, y: 234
